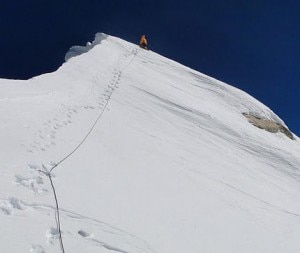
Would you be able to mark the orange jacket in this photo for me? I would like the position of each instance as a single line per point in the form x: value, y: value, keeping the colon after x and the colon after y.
x: 143, y: 40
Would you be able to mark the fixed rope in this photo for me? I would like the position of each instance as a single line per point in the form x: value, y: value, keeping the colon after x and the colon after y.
x: 95, y: 122
x: 57, y: 214
x: 48, y: 174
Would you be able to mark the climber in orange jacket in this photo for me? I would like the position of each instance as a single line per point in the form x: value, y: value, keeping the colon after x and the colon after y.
x: 143, y: 42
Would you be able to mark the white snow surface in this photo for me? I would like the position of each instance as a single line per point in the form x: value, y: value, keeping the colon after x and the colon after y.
x: 165, y: 162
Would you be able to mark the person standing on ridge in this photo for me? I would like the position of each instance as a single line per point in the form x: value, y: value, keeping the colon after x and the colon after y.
x: 143, y: 42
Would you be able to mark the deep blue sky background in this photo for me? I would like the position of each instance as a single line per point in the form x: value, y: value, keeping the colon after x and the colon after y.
x: 251, y: 44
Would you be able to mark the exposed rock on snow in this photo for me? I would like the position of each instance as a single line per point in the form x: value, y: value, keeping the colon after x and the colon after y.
x: 268, y: 125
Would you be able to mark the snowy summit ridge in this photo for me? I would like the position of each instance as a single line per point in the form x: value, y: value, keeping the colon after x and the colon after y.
x: 145, y: 155
x: 78, y: 50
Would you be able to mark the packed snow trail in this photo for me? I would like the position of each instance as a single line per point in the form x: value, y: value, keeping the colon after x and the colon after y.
x: 174, y: 165
x: 114, y: 83
x: 48, y: 174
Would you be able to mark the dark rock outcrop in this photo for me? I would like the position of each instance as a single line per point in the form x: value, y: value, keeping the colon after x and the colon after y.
x: 268, y: 125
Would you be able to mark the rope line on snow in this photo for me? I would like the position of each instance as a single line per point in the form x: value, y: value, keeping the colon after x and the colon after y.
x: 57, y: 214
x: 48, y: 174
x: 84, y: 139
x: 94, y: 124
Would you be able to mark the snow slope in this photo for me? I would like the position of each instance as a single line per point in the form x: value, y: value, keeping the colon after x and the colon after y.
x: 154, y: 157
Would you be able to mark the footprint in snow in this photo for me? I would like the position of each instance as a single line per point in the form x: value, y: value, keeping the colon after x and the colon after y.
x: 33, y: 179
x: 37, y: 249
x: 85, y: 234
x: 54, y: 127
x: 32, y: 182
x: 29, y: 150
x: 5, y: 209
x: 50, y: 136
x: 52, y: 234
x: 7, y: 206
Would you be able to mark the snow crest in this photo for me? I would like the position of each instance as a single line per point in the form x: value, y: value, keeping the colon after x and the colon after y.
x: 79, y: 50
x: 150, y: 156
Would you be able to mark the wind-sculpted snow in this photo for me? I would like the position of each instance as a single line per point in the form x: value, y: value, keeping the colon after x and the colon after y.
x: 145, y: 156
x: 78, y: 50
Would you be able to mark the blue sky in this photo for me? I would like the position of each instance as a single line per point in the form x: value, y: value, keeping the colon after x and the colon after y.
x: 252, y: 45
